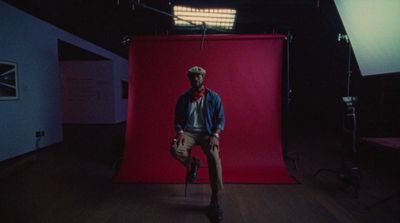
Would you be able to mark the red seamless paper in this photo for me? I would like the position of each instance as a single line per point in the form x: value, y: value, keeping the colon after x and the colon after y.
x: 245, y: 70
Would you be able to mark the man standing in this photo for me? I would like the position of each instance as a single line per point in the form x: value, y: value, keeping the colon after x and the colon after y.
x: 199, y: 119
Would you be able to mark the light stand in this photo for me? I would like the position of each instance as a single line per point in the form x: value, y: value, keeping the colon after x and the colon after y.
x: 348, y: 172
x: 288, y: 155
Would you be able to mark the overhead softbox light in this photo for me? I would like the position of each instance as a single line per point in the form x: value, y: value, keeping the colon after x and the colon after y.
x: 221, y: 18
x: 374, y: 31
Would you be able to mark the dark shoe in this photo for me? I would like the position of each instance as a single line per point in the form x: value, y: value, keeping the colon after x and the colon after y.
x: 215, y: 210
x: 194, y: 167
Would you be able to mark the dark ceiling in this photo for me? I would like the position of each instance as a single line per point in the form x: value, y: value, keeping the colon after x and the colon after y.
x: 106, y: 22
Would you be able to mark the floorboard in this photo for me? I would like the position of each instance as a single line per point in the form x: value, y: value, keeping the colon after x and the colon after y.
x: 71, y: 182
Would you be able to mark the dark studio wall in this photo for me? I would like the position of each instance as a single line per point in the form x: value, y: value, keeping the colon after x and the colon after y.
x: 318, y: 70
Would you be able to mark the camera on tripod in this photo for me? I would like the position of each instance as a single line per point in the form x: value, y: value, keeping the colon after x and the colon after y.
x: 349, y: 126
x: 348, y: 172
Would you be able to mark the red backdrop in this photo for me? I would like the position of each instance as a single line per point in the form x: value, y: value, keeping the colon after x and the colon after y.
x: 244, y: 69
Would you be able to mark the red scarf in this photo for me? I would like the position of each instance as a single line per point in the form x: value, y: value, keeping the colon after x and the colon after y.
x: 196, y: 95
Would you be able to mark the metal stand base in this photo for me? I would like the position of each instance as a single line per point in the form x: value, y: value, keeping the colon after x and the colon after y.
x: 351, y: 176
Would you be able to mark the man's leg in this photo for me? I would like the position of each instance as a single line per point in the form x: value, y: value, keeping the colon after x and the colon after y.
x: 215, y: 173
x: 181, y: 152
x: 182, y: 155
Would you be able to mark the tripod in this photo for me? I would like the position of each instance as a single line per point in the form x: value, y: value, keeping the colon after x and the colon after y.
x: 348, y: 172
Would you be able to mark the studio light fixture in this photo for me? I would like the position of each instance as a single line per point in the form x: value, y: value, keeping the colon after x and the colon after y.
x: 218, y: 18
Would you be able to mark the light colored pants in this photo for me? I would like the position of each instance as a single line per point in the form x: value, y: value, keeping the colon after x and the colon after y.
x: 214, y: 162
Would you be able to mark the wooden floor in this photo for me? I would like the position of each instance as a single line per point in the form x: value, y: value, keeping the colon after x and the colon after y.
x: 71, y: 182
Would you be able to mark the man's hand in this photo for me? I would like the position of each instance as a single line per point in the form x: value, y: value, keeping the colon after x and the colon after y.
x: 180, y: 140
x: 214, y: 143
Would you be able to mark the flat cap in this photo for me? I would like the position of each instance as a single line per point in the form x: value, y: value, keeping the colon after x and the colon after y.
x: 197, y: 70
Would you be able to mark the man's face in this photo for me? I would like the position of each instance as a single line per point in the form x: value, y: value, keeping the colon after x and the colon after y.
x: 196, y: 81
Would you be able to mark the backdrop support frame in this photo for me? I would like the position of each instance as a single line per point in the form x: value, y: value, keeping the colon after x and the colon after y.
x: 292, y: 156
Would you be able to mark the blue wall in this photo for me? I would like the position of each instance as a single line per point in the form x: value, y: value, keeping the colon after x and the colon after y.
x: 32, y: 44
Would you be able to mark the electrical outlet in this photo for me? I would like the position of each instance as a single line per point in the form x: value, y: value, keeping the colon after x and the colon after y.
x: 39, y: 133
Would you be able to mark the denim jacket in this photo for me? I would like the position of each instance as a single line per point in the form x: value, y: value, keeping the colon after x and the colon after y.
x: 213, y: 111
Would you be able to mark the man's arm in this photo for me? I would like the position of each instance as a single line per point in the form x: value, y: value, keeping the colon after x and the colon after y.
x: 180, y: 119
x: 219, y: 124
x: 219, y: 116
x: 180, y: 115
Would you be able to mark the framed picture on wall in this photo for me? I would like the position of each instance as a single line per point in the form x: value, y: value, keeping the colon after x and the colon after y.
x: 8, y: 80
